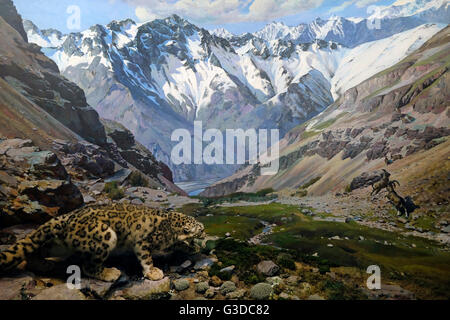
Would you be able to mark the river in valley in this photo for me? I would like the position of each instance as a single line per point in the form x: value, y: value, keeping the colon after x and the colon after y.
x: 194, y: 188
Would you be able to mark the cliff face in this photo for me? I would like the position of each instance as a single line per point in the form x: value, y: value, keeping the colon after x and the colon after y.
x: 9, y: 13
x: 388, y: 118
x: 53, y: 146
x: 29, y: 71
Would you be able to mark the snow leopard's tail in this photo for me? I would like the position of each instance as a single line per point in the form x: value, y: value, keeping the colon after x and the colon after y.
x: 18, y: 252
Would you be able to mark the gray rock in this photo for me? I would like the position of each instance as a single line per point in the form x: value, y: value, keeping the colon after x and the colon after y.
x: 98, y: 187
x: 88, y: 199
x: 186, y: 264
x: 227, y: 287
x: 11, y: 287
x: 137, y: 202
x: 261, y: 291
x: 446, y: 229
x: 292, y: 280
x: 146, y: 290
x: 390, y: 292
x: 201, y: 287
x: 284, y: 296
x: 238, y: 294
x: 203, y: 264
x: 228, y: 269
x: 268, y: 268
x: 366, y: 179
x: 60, y: 292
x: 101, y: 288
x: 210, y: 293
x: 120, y: 176
x: 315, y: 297
x: 181, y: 284
x: 274, y: 280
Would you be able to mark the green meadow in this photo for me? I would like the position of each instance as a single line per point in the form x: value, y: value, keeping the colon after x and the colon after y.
x: 416, y: 263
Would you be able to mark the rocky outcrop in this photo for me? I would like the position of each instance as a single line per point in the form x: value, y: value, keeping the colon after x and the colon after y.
x: 93, y: 160
x: 366, y: 179
x: 133, y: 152
x: 9, y: 13
x: 34, y: 185
x: 37, y: 103
x: 37, y: 77
x: 397, y: 113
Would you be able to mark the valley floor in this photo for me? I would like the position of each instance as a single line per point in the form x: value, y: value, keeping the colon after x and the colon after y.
x: 313, y: 248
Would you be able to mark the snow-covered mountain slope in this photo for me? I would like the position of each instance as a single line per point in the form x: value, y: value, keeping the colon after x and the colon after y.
x: 401, y: 16
x: 162, y: 75
x: 368, y: 59
x: 222, y: 33
x: 427, y: 10
x: 400, y: 114
x: 44, y: 38
x: 349, y: 32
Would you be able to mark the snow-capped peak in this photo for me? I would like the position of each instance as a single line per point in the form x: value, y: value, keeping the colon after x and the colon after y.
x: 44, y: 38
x: 408, y: 8
x: 222, y: 33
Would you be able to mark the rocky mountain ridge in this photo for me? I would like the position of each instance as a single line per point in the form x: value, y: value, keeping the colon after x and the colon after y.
x: 162, y: 75
x: 397, y: 113
x: 52, y: 143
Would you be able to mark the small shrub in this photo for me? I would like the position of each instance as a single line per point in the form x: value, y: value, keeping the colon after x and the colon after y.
x: 252, y: 278
x: 137, y: 179
x: 348, y: 189
x: 261, y: 291
x: 301, y: 193
x: 114, y: 191
x: 264, y: 192
x: 262, y: 195
x: 310, y: 183
x: 286, y: 261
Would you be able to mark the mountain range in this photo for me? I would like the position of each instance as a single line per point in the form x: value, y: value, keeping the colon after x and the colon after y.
x: 53, y: 144
x: 165, y: 74
x: 397, y: 120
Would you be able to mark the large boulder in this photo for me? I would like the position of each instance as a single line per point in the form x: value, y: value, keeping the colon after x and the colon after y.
x: 261, y: 291
x: 366, y: 179
x: 268, y: 268
x: 146, y: 290
x: 60, y: 292
x: 9, y: 13
x: 34, y: 185
x: 133, y: 152
x: 93, y: 160
x: 11, y: 286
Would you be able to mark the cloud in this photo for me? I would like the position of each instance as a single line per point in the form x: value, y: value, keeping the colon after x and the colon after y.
x: 221, y: 11
x: 346, y: 4
x: 365, y: 3
x: 342, y: 6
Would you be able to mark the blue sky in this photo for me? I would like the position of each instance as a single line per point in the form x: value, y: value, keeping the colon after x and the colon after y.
x: 237, y: 16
